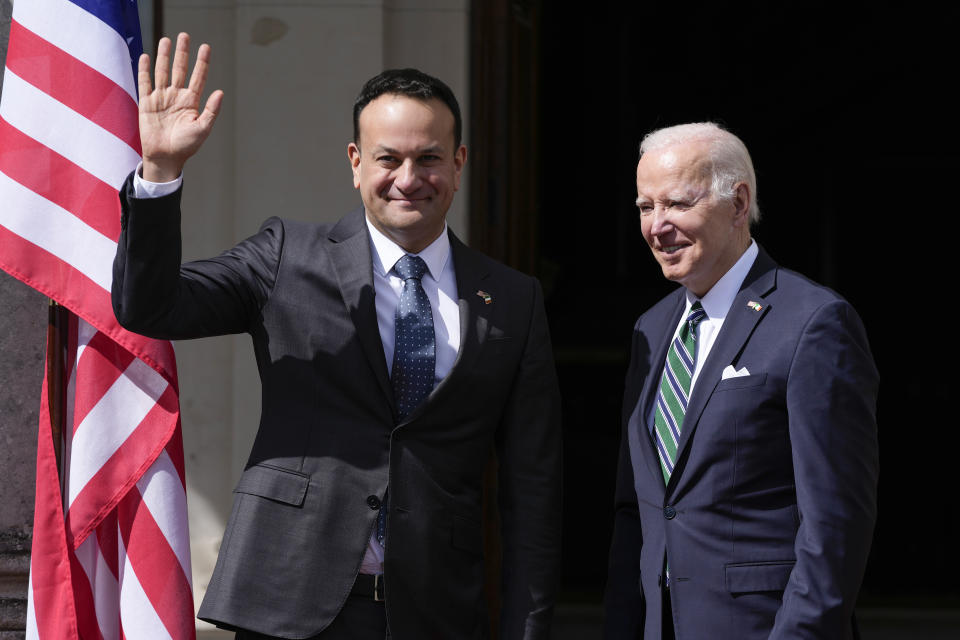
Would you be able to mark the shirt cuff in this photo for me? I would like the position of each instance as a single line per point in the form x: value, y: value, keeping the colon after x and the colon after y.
x: 143, y: 189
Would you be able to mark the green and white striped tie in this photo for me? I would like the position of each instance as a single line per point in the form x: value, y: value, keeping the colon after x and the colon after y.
x: 674, y: 391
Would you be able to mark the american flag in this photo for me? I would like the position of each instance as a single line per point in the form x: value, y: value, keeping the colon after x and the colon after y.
x: 111, y: 554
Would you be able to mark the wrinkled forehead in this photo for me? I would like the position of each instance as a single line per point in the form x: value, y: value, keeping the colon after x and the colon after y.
x: 682, y: 169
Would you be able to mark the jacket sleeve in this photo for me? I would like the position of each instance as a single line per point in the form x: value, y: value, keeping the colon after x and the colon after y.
x: 154, y: 295
x: 530, y: 475
x: 624, y: 608
x: 623, y: 603
x: 831, y: 403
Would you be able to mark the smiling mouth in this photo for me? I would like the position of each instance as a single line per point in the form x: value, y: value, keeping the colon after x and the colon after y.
x: 673, y: 248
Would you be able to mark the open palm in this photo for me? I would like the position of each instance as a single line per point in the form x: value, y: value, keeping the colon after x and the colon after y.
x: 172, y: 127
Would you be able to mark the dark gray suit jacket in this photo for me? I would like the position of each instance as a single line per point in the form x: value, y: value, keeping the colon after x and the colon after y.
x: 328, y: 444
x: 769, y: 513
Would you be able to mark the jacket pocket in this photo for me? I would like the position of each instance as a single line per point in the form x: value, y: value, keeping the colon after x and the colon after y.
x: 273, y: 483
x: 741, y: 382
x: 747, y: 577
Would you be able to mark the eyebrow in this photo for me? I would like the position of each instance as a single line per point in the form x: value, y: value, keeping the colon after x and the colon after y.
x: 391, y: 150
x: 690, y: 194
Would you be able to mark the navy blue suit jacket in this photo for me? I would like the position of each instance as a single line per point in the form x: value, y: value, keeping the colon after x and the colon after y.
x: 768, y: 516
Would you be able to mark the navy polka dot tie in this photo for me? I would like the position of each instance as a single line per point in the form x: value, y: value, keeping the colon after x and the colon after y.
x: 414, y: 352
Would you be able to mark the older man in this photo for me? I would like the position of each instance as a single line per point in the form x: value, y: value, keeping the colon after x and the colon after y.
x: 746, y: 491
x: 393, y: 360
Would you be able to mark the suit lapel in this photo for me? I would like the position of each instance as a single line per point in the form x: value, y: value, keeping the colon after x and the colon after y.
x: 736, y: 331
x: 352, y: 261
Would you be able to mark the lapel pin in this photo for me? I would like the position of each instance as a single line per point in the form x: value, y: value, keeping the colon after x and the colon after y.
x: 487, y: 299
x: 756, y: 306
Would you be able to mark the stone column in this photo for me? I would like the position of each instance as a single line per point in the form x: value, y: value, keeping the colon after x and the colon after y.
x: 22, y: 340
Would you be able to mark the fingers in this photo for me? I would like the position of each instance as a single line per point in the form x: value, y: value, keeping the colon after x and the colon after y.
x: 199, y: 78
x: 143, y: 76
x: 180, y: 61
x: 175, y: 80
x: 161, y: 72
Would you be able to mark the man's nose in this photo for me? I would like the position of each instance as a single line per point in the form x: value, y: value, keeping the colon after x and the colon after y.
x: 407, y: 177
x: 660, y: 220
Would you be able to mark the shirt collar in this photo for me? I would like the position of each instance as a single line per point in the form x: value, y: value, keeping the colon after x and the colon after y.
x: 718, y: 300
x: 386, y: 252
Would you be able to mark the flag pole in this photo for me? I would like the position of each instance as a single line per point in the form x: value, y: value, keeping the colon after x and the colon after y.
x: 57, y: 324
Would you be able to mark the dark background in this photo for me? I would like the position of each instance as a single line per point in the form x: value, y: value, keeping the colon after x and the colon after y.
x: 850, y: 118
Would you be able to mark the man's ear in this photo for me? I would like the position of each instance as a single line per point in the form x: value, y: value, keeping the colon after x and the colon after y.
x: 459, y: 159
x: 741, y: 204
x: 353, y: 155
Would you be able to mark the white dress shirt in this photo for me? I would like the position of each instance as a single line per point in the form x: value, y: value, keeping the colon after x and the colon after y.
x: 717, y: 305
x: 439, y: 283
x: 143, y: 189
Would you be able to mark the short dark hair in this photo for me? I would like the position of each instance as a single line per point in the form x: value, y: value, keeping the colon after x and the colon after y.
x: 412, y: 83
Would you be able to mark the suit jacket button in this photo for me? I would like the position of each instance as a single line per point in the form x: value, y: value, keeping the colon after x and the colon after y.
x: 373, y: 502
x: 669, y: 512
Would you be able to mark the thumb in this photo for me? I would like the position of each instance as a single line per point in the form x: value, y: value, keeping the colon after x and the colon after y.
x: 211, y: 109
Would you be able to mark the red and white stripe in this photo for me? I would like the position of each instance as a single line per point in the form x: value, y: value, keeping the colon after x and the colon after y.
x: 111, y: 554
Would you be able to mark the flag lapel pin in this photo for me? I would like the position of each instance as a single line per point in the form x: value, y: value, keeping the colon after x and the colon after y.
x: 487, y: 298
x: 756, y: 306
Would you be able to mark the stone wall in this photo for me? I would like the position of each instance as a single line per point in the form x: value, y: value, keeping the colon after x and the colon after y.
x: 22, y: 339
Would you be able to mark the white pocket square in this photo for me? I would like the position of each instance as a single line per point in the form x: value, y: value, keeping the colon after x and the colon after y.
x: 730, y: 372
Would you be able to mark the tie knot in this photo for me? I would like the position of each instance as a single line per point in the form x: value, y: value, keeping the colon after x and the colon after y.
x: 696, y: 316
x: 410, y: 267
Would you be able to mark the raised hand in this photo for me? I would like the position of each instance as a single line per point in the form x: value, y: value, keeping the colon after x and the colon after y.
x: 171, y: 125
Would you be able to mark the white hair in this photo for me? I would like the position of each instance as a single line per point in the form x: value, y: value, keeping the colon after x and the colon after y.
x: 729, y: 160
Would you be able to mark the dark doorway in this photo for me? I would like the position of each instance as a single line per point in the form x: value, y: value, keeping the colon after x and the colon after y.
x: 847, y: 112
